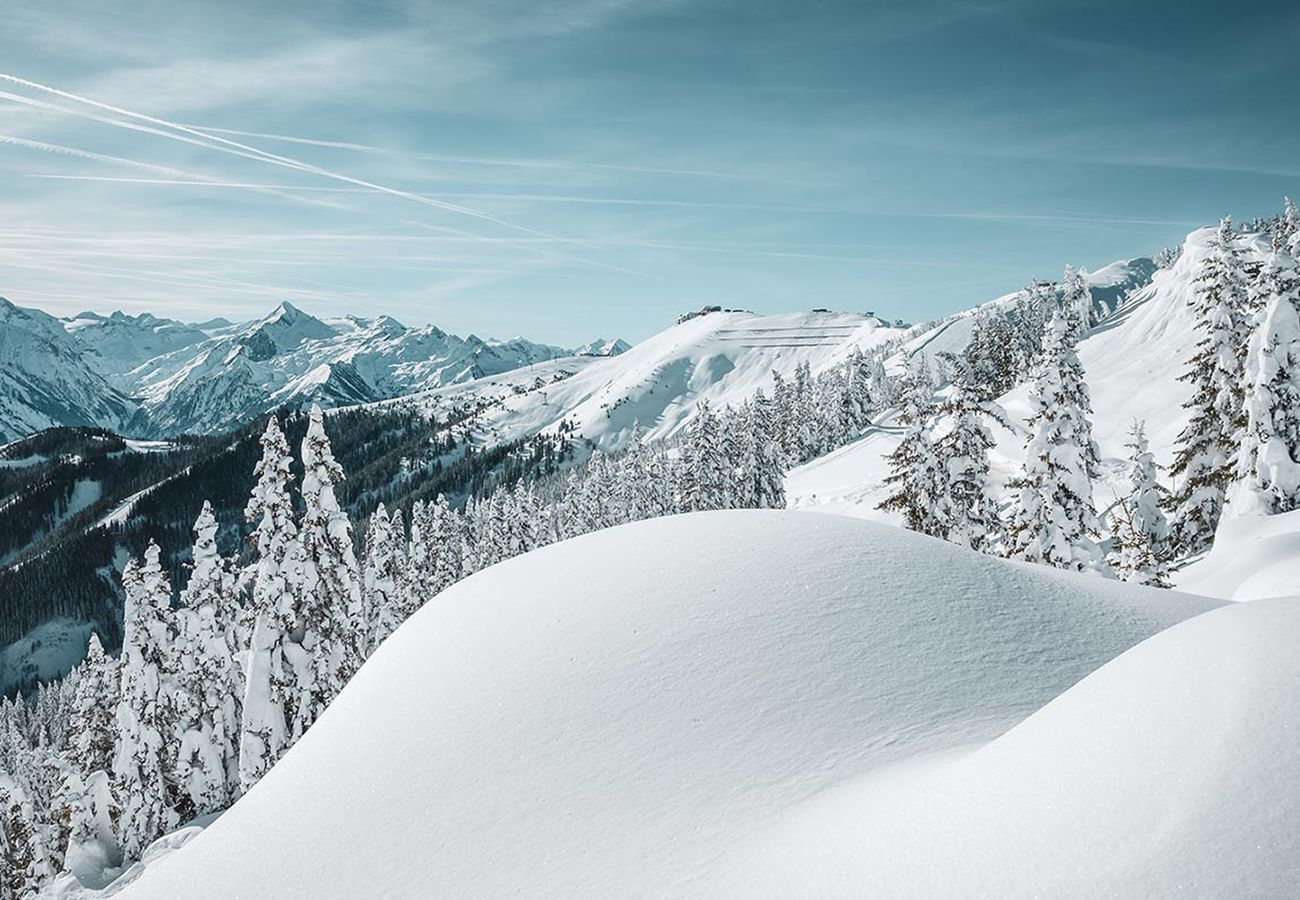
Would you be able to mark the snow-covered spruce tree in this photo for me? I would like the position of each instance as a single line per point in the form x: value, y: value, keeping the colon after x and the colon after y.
x: 24, y: 859
x: 381, y: 575
x: 145, y: 717
x: 764, y: 472
x: 1053, y: 520
x: 1142, y: 552
x: 991, y: 352
x: 208, y: 679
x: 914, y: 468
x: 968, y: 513
x: 703, y: 464
x: 447, y: 542
x: 1076, y: 299
x: 330, y: 593
x: 1269, y: 466
x: 91, y: 725
x: 270, y: 685
x: 1205, y: 457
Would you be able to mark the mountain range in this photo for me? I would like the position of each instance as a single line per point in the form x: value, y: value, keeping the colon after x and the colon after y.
x: 148, y: 376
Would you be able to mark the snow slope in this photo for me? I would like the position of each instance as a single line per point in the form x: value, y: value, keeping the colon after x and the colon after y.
x: 1132, y: 361
x: 720, y: 357
x: 1170, y: 772
x: 623, y: 714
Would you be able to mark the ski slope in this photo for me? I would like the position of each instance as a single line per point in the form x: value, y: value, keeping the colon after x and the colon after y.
x: 650, y: 711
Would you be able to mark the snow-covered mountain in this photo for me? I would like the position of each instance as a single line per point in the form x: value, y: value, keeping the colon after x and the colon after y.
x: 46, y: 381
x: 715, y: 357
x: 151, y: 376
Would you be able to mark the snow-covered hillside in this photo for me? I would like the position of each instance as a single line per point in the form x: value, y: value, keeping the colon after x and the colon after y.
x: 659, y: 709
x: 1132, y: 360
x: 719, y: 358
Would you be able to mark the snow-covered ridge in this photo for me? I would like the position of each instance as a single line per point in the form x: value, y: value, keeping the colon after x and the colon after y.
x: 152, y: 376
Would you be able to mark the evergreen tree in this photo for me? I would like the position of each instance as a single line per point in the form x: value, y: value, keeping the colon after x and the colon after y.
x: 1206, y: 453
x: 1142, y: 551
x: 968, y: 513
x: 330, y: 595
x: 144, y: 712
x: 1054, y: 521
x: 764, y: 472
x: 91, y: 724
x: 270, y: 684
x: 1269, y: 467
x: 704, y: 466
x: 382, y: 577
x: 915, y: 470
x: 208, y: 679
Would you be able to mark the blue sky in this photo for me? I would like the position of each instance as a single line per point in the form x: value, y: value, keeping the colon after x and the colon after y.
x: 578, y: 168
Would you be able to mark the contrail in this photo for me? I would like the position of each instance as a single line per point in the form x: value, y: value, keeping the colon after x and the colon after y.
x: 238, y: 149
x: 475, y: 160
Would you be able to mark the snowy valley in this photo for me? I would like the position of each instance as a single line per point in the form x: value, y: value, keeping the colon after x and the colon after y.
x: 760, y: 606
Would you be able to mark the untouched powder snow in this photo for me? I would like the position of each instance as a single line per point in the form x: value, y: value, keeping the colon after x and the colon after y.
x: 1170, y: 772
x: 630, y: 713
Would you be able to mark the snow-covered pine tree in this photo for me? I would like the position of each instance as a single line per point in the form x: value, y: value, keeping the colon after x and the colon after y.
x: 1076, y: 299
x: 24, y: 858
x: 1053, y: 520
x: 1142, y: 551
x: 208, y: 679
x: 270, y: 685
x: 765, y: 474
x: 968, y: 513
x: 381, y: 577
x: 1206, y: 454
x: 704, y: 466
x: 1268, y: 473
x: 446, y: 541
x: 145, y: 718
x: 91, y: 725
x: 330, y: 593
x: 915, y: 471
x: 857, y: 405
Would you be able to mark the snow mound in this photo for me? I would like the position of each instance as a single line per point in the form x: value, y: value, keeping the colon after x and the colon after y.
x: 1171, y: 771
x: 614, y: 715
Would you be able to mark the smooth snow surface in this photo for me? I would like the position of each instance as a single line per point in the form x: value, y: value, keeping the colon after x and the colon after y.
x: 639, y: 711
x: 1170, y: 772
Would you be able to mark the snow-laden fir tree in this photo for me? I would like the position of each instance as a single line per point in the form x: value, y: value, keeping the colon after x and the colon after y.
x: 330, y: 592
x: 1141, y: 533
x: 1269, y: 466
x: 92, y: 734
x: 1205, y: 457
x: 208, y: 678
x: 385, y: 606
x: 915, y: 471
x: 704, y: 469
x: 92, y: 731
x: 145, y: 716
x: 446, y: 547
x: 1053, y: 519
x: 763, y: 469
x: 270, y: 684
x: 1076, y: 299
x: 24, y: 857
x: 968, y: 513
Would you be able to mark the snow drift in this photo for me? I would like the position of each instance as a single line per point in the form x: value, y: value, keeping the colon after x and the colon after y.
x: 632, y: 712
x: 1171, y: 771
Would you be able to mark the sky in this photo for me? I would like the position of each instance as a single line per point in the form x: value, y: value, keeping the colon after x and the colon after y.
x: 581, y: 168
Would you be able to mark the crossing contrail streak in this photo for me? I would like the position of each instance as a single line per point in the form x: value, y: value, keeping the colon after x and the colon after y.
x: 225, y: 145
